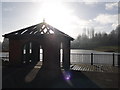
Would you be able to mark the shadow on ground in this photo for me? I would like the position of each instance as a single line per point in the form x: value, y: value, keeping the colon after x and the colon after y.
x: 32, y: 77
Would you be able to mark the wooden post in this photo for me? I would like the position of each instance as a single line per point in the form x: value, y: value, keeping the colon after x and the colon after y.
x: 91, y: 58
x: 15, y: 51
x: 27, y: 53
x: 51, y: 54
x: 119, y: 60
x: 66, y: 55
x: 113, y: 59
x: 35, y: 52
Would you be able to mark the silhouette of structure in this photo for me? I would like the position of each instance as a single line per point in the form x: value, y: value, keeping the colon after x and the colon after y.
x: 25, y: 45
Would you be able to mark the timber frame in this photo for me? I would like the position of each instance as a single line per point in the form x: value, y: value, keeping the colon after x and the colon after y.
x: 44, y: 36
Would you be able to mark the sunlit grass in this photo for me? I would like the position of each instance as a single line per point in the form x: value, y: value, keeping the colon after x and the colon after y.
x: 108, y: 48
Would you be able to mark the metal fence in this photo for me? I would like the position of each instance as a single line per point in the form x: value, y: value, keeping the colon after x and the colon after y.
x: 92, y: 59
x: 101, y: 59
x: 4, y: 56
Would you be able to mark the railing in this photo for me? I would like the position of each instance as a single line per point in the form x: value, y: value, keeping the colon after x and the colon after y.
x: 101, y: 59
x: 4, y: 57
x: 92, y: 59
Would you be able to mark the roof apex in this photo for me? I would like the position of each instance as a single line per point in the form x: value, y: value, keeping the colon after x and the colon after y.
x: 38, y: 29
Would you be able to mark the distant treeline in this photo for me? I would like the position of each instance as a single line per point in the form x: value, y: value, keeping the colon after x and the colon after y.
x: 97, y: 40
x: 5, y: 45
x: 0, y: 46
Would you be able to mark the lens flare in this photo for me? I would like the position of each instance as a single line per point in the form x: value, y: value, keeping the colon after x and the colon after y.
x: 67, y: 77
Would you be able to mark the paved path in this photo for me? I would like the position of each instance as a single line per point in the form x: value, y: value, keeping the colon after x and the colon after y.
x: 82, y: 76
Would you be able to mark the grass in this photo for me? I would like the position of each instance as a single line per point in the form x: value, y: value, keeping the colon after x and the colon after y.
x: 108, y: 48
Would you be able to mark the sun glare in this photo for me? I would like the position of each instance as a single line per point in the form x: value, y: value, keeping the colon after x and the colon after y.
x: 59, y: 15
x: 54, y: 13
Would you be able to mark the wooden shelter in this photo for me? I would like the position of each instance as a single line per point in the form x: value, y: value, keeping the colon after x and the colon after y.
x: 25, y: 45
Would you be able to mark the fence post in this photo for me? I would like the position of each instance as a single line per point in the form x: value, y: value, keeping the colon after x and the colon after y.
x: 113, y: 59
x: 91, y: 58
x: 118, y: 60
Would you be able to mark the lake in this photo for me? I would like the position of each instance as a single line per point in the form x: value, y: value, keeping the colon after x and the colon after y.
x: 81, y: 51
x: 84, y: 57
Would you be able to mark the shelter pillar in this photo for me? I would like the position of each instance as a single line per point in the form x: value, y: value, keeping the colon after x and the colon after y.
x: 27, y: 58
x: 15, y: 51
x: 66, y: 55
x: 35, y: 52
x: 51, y: 55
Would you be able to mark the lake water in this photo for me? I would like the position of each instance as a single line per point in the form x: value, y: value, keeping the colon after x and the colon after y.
x: 88, y: 51
x: 84, y: 56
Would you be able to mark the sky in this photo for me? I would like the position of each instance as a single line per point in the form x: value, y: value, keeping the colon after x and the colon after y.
x: 71, y: 17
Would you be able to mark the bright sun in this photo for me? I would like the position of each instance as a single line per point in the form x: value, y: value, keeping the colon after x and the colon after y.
x: 54, y: 12
x: 60, y: 16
